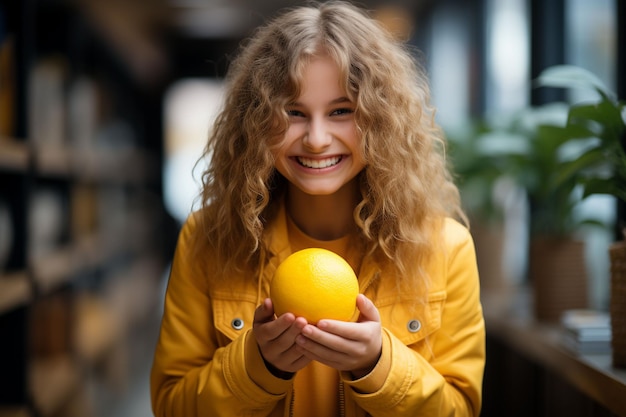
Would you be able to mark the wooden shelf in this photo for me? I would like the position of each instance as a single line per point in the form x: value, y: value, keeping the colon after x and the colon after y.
x: 99, y: 165
x: 15, y: 290
x: 61, y: 265
x: 14, y: 155
x: 113, y: 165
x: 507, y: 317
x: 52, y: 161
x: 14, y: 412
x: 53, y: 381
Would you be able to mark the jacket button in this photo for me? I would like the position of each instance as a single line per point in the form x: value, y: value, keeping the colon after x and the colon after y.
x: 237, y: 324
x: 414, y: 325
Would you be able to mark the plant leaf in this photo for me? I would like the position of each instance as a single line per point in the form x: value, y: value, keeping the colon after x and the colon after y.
x: 603, y: 186
x: 605, y: 113
x: 570, y: 76
x: 592, y: 158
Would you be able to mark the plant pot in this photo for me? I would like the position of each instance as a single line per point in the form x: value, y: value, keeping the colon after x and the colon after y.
x: 558, y: 275
x: 617, y: 253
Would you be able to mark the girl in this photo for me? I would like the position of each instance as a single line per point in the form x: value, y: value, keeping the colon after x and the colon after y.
x: 326, y: 139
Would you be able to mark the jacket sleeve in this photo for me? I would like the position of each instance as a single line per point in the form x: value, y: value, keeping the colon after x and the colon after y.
x: 448, y: 381
x: 192, y: 375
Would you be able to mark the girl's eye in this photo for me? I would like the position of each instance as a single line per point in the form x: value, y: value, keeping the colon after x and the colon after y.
x: 295, y: 113
x: 341, y: 112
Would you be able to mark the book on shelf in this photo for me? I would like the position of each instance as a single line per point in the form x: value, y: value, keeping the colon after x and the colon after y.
x: 587, y: 331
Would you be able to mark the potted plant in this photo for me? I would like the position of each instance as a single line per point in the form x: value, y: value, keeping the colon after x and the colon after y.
x: 556, y: 263
x: 599, y: 130
x: 529, y: 148
x: 522, y: 149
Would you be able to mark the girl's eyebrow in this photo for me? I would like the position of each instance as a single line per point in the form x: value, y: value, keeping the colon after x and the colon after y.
x: 341, y: 100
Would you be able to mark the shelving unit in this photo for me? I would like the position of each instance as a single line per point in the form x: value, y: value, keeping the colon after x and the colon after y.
x: 550, y: 379
x: 80, y: 153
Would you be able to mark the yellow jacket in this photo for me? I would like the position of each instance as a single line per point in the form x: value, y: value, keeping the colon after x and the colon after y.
x: 207, y: 363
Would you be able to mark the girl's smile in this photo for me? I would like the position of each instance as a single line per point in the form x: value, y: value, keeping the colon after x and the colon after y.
x: 319, y: 164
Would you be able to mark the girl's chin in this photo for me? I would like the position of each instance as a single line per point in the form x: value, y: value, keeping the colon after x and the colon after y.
x: 318, y: 192
x: 324, y: 188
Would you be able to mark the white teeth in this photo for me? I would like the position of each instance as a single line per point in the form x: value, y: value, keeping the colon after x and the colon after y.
x: 319, y: 163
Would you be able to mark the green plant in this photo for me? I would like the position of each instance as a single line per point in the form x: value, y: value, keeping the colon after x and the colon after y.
x: 477, y: 166
x: 524, y: 148
x: 552, y: 198
x: 597, y: 129
x: 558, y: 153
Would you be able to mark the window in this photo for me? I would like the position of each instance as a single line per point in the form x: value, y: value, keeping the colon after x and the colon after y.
x: 190, y: 107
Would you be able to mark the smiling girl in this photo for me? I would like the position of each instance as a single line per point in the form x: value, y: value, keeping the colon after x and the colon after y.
x: 326, y: 139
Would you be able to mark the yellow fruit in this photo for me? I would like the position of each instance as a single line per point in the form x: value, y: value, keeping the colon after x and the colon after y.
x: 315, y: 284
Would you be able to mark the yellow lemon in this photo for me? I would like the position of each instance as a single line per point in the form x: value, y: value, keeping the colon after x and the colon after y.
x: 315, y: 284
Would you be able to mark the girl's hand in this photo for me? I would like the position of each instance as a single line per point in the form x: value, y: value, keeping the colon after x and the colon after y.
x: 345, y: 346
x: 276, y: 339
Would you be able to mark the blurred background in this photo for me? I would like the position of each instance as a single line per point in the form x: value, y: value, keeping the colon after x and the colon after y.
x: 104, y: 110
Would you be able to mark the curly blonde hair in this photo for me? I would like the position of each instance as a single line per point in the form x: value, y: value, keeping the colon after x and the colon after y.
x: 406, y: 186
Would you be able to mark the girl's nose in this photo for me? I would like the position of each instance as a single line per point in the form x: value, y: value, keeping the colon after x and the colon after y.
x: 317, y: 137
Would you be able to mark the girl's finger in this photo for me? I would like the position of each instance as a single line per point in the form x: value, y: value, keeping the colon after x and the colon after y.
x: 368, y: 310
x: 264, y: 312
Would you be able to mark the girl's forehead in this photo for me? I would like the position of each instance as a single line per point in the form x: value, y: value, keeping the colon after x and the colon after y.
x: 321, y: 75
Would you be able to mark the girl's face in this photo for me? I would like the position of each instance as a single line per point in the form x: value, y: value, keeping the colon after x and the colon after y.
x: 320, y: 152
